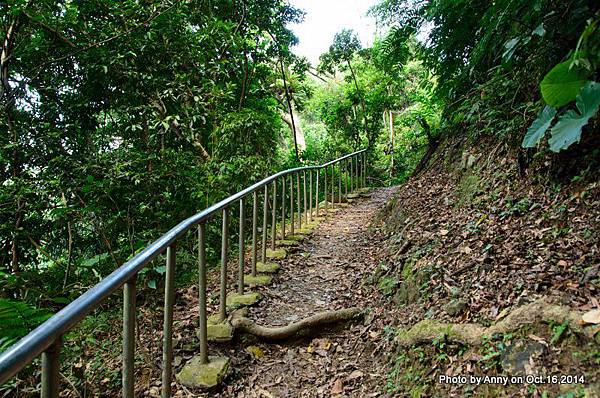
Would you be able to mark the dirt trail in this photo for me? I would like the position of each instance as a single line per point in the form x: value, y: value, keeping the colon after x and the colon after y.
x: 325, y: 272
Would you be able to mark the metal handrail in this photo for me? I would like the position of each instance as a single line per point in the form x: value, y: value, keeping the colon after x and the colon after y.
x: 46, y: 338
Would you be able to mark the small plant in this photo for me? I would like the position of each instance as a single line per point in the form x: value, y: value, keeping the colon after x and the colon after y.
x: 388, y: 285
x: 18, y: 318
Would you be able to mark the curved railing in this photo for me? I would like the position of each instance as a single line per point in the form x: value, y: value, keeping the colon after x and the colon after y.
x: 47, y: 338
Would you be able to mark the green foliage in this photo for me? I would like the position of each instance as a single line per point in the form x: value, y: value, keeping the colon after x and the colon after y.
x: 490, y: 57
x: 568, y: 128
x: 17, y: 319
x: 562, y: 84
x: 143, y: 113
x: 538, y: 128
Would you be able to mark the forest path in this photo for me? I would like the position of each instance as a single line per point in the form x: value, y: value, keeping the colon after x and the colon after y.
x: 326, y: 272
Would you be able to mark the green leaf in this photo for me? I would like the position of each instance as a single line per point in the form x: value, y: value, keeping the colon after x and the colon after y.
x: 509, y: 48
x: 539, y: 126
x: 152, y: 284
x: 568, y: 129
x: 562, y: 84
x: 540, y: 31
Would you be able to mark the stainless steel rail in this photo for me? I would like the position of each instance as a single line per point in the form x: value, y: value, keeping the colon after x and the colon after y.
x: 47, y: 338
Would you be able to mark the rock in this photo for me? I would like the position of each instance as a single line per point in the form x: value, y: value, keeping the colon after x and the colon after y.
x: 278, y: 254
x: 517, y: 358
x: 353, y: 195
x: 255, y: 351
x: 209, y: 375
x: 219, y: 332
x: 455, y: 307
x: 267, y: 268
x: 471, y: 161
x: 239, y: 300
x: 287, y: 243
x: 258, y: 280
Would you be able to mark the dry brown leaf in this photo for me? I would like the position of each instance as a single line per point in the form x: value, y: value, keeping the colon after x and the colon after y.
x: 338, y: 387
x: 591, y: 317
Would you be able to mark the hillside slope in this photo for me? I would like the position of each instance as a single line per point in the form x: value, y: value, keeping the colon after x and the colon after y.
x: 472, y: 239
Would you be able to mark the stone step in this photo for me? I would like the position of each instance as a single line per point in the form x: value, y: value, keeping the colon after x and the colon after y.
x: 258, y: 280
x: 277, y: 254
x: 195, y: 374
x: 267, y: 268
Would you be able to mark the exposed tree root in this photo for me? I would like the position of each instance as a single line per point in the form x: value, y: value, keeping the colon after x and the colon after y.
x: 472, y: 334
x: 246, y: 325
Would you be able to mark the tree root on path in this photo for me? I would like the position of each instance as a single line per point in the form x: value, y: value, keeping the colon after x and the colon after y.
x: 243, y: 324
x: 472, y: 334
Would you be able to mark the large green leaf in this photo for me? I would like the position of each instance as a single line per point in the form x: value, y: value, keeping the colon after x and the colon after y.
x: 568, y: 129
x: 562, y: 84
x: 538, y: 128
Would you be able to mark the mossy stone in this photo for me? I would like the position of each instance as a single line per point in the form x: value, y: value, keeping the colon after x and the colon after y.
x: 278, y: 254
x: 287, y: 243
x: 267, y: 268
x: 455, y: 306
x: 353, y: 195
x: 219, y: 332
x: 298, y: 237
x: 213, y: 319
x: 239, y: 300
x: 258, y: 280
x: 209, y: 375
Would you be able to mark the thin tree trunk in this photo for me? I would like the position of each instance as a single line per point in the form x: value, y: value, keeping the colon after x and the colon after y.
x: 358, y: 90
x: 289, y: 102
x: 7, y: 94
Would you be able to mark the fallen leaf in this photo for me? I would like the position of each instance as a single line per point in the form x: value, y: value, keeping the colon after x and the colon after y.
x: 357, y: 374
x: 591, y: 317
x: 338, y: 387
x: 444, y: 232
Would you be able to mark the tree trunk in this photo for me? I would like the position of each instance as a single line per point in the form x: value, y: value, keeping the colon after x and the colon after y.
x: 289, y: 102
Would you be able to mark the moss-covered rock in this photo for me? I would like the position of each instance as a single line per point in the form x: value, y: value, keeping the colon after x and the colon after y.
x: 278, y: 254
x: 267, y: 268
x: 219, y: 332
x: 240, y: 300
x: 209, y: 375
x: 354, y: 195
x: 287, y: 243
x: 258, y: 280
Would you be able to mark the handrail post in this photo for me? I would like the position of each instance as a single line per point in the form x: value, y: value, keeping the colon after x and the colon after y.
x: 129, y: 293
x: 274, y: 216
x: 304, y: 196
x: 346, y: 177
x: 254, y: 230
x: 264, y: 228
x: 224, y: 251
x: 351, y: 174
x: 325, y: 190
x: 298, y: 200
x: 241, y: 241
x: 357, y: 172
x: 168, y: 322
x: 51, y: 370
x: 292, y: 218
x: 283, y: 208
x: 340, y: 183
x: 203, y: 335
x: 333, y: 186
x: 364, y: 169
x: 310, y: 196
x: 317, y: 193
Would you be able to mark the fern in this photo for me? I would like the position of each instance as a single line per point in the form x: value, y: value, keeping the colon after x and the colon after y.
x: 17, y: 318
